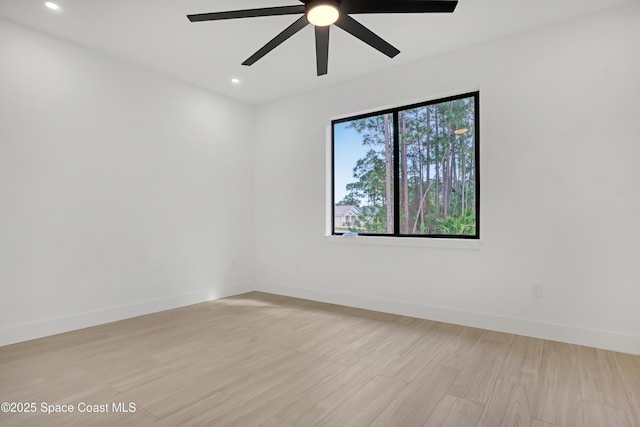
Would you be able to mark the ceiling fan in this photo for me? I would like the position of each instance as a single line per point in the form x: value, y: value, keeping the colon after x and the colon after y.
x: 323, y: 13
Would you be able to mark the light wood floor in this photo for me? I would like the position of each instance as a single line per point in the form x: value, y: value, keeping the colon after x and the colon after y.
x: 260, y: 359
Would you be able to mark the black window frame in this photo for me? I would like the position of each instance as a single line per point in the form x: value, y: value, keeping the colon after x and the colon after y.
x: 396, y: 166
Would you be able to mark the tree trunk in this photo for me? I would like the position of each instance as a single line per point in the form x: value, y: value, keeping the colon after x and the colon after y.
x: 437, y: 159
x: 427, y: 208
x: 472, y: 180
x: 388, y: 176
x: 463, y: 161
x: 454, y: 172
x: 419, y: 187
x: 404, y: 182
x: 448, y: 178
x: 445, y: 176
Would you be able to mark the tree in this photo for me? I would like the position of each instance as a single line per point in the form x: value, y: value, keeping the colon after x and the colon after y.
x: 349, y: 200
x: 377, y: 133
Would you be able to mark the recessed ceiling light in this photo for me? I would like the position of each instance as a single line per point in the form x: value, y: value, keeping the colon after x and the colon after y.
x: 235, y: 81
x: 52, y: 5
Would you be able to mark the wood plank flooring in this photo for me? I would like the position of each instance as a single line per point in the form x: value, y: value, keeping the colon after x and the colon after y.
x: 265, y: 360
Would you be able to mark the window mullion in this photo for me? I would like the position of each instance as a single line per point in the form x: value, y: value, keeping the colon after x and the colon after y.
x: 396, y: 174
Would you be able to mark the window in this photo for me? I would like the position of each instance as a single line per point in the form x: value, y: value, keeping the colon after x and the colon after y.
x: 411, y: 171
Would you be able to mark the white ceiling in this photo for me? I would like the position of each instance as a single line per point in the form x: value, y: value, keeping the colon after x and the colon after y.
x: 157, y: 35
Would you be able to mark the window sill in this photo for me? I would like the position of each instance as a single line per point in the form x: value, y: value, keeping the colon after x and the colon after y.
x: 416, y: 242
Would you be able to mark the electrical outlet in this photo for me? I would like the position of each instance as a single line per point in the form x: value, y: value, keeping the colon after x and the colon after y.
x: 535, y: 289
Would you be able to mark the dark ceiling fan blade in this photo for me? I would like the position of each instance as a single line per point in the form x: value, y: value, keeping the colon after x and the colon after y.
x: 358, y: 30
x: 322, y: 49
x: 247, y: 13
x: 399, y: 6
x: 278, y: 40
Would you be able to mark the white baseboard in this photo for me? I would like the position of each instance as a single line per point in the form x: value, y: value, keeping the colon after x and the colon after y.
x: 607, y: 340
x: 53, y: 326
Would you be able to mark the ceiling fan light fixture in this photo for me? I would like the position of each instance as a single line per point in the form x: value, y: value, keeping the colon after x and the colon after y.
x: 51, y: 5
x: 323, y: 13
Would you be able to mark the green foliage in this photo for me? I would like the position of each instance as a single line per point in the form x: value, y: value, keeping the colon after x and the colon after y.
x: 429, y: 224
x: 457, y: 226
x: 349, y: 200
x: 371, y: 129
x: 370, y: 184
x: 373, y: 219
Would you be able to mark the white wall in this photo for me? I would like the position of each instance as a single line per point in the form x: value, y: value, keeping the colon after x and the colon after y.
x: 122, y: 191
x: 560, y: 192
